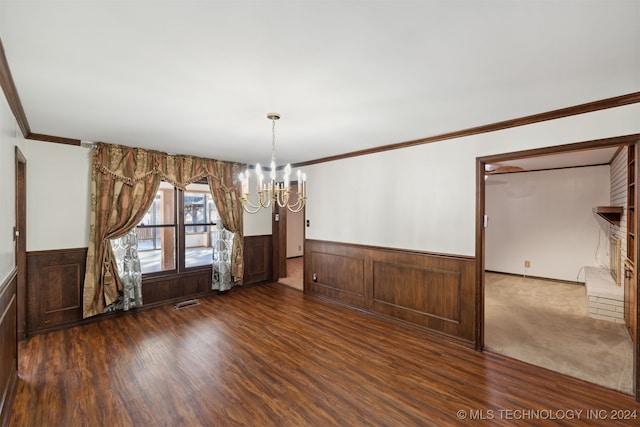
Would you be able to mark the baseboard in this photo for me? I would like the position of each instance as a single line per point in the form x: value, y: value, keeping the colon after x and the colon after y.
x: 569, y: 282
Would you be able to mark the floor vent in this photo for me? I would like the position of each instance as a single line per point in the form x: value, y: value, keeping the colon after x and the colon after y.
x: 185, y: 304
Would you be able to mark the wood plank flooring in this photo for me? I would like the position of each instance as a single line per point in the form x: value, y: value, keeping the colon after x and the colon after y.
x: 273, y: 356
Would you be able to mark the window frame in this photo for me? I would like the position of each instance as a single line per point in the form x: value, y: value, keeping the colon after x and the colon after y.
x: 180, y: 227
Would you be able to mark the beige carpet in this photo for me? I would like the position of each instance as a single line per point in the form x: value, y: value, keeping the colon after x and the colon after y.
x: 545, y: 323
x: 294, y: 273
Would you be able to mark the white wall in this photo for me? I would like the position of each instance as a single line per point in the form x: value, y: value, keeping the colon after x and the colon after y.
x: 547, y: 217
x: 58, y: 197
x: 257, y: 224
x: 423, y: 197
x: 58, y: 191
x: 420, y: 198
x: 10, y: 137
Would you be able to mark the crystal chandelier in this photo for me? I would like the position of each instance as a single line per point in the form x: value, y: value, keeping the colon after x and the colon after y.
x: 273, y: 192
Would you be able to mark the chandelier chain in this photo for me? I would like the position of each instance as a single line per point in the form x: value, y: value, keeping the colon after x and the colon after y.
x: 273, y: 140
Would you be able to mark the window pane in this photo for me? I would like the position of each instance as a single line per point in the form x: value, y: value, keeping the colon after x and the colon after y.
x: 198, y: 205
x: 157, y: 248
x: 198, y: 245
x: 162, y: 211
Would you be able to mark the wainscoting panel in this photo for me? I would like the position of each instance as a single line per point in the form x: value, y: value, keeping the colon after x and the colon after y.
x: 8, y: 345
x: 54, y: 288
x: 437, y: 293
x: 162, y: 289
x: 257, y: 259
x: 431, y: 290
x: 335, y: 273
x: 55, y: 281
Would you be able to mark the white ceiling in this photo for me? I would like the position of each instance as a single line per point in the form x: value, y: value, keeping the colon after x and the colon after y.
x: 199, y: 77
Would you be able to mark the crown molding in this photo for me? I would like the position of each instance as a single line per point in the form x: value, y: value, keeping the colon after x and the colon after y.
x: 52, y: 138
x: 11, y: 93
x: 603, y: 104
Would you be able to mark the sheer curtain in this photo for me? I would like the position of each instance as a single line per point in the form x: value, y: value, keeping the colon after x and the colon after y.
x: 125, y: 250
x: 228, y: 251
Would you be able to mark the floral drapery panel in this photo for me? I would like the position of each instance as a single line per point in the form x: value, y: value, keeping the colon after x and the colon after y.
x: 124, y: 182
x: 227, y: 199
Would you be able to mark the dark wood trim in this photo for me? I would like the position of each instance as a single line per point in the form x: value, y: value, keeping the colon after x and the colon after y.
x: 52, y: 252
x: 589, y: 107
x: 282, y: 243
x: 622, y: 140
x: 397, y: 250
x: 52, y: 138
x: 565, y: 148
x: 636, y: 277
x: 479, y: 289
x: 11, y: 93
x: 9, y: 345
x: 275, y: 244
x: 21, y: 240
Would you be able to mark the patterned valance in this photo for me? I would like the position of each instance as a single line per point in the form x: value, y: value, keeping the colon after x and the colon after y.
x: 132, y: 165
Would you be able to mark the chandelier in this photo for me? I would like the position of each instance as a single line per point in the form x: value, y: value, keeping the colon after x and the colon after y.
x: 270, y: 193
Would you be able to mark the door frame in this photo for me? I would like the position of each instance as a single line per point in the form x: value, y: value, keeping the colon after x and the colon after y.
x: 20, y: 238
x: 279, y: 238
x: 480, y: 231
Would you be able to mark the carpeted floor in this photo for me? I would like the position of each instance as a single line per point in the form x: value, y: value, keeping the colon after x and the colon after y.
x: 294, y: 273
x: 545, y: 323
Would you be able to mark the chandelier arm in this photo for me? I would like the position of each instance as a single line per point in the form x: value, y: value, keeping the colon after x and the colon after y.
x: 297, y: 207
x: 264, y: 198
x: 283, y: 198
x: 247, y: 206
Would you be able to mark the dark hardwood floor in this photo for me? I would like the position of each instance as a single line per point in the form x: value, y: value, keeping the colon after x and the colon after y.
x: 271, y: 355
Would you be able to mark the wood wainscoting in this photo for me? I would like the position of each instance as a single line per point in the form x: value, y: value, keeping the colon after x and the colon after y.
x: 55, y: 281
x: 8, y: 345
x: 258, y: 265
x: 54, y: 288
x: 435, y: 291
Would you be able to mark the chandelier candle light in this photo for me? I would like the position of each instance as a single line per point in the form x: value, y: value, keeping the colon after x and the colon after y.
x: 274, y: 192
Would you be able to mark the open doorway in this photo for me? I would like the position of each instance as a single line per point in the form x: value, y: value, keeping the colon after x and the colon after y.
x: 292, y: 233
x: 518, y: 302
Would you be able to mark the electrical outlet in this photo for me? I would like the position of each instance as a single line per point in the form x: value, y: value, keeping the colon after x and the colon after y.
x: 527, y: 264
x: 299, y: 247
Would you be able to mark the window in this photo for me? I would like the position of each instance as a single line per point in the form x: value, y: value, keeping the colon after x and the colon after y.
x: 200, y: 215
x: 176, y: 233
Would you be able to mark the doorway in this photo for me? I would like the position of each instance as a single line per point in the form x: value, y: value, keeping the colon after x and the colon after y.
x: 291, y: 235
x: 483, y: 280
x: 20, y: 237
